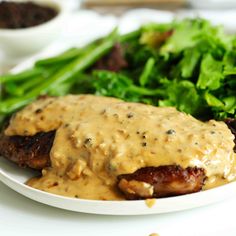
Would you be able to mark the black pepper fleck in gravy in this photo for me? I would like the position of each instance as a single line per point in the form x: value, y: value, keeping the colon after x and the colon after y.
x: 170, y: 131
x: 88, y: 142
x: 38, y: 111
x: 130, y: 115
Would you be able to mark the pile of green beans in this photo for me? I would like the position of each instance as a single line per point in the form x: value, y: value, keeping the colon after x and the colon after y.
x: 48, y: 76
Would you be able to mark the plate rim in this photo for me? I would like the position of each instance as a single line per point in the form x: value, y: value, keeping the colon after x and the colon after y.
x: 110, y: 207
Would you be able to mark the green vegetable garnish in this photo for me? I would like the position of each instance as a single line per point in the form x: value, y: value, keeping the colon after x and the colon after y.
x: 188, y: 64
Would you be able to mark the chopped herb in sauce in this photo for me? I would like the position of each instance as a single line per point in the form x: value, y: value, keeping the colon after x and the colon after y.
x: 88, y: 142
x: 170, y: 131
x: 144, y: 144
x: 38, y: 111
x: 130, y: 115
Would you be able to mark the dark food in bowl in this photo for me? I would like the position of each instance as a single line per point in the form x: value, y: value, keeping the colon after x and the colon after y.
x: 19, y: 15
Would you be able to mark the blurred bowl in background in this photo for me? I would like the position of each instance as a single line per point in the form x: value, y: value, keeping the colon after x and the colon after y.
x: 213, y: 4
x: 18, y: 43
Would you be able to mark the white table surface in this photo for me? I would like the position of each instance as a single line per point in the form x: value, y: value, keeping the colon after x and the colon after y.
x: 21, y: 216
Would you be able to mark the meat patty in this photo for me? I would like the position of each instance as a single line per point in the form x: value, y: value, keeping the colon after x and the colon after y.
x: 148, y: 182
x: 28, y: 151
x: 162, y: 181
x: 231, y: 123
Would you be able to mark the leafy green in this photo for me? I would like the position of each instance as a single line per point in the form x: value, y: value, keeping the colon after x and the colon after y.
x: 118, y: 85
x: 210, y: 73
x: 186, y: 35
x: 213, y: 101
x: 188, y: 64
x: 229, y: 63
x: 147, y: 71
x: 230, y: 104
x: 182, y: 95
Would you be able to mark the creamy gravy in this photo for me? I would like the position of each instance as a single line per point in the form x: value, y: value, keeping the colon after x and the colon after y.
x: 99, y: 138
x: 150, y: 202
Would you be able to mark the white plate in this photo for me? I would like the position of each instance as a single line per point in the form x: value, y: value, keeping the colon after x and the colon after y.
x: 14, y: 177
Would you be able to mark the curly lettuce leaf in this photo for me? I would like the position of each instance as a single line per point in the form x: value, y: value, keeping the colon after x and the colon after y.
x: 183, y: 95
x: 211, y: 73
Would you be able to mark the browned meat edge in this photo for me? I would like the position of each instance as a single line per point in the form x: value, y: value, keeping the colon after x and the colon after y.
x: 162, y: 181
x: 231, y: 123
x: 28, y: 151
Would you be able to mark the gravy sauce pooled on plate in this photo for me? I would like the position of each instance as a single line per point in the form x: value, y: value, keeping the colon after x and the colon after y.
x: 100, y: 138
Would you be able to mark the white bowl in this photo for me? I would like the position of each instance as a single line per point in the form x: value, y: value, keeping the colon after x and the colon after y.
x: 213, y: 4
x: 16, y: 43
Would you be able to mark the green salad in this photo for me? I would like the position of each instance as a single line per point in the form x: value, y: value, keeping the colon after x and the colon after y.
x: 188, y: 64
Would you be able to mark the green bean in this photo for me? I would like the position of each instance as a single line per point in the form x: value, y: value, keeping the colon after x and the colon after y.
x: 61, y: 58
x: 12, y: 89
x: 12, y: 104
x: 39, y: 79
x: 68, y: 55
x: 146, y: 92
x: 65, y: 56
x: 129, y: 36
x: 86, y: 59
x: 73, y: 68
x: 31, y: 83
x: 21, y: 76
x: 146, y: 71
x: 76, y: 66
